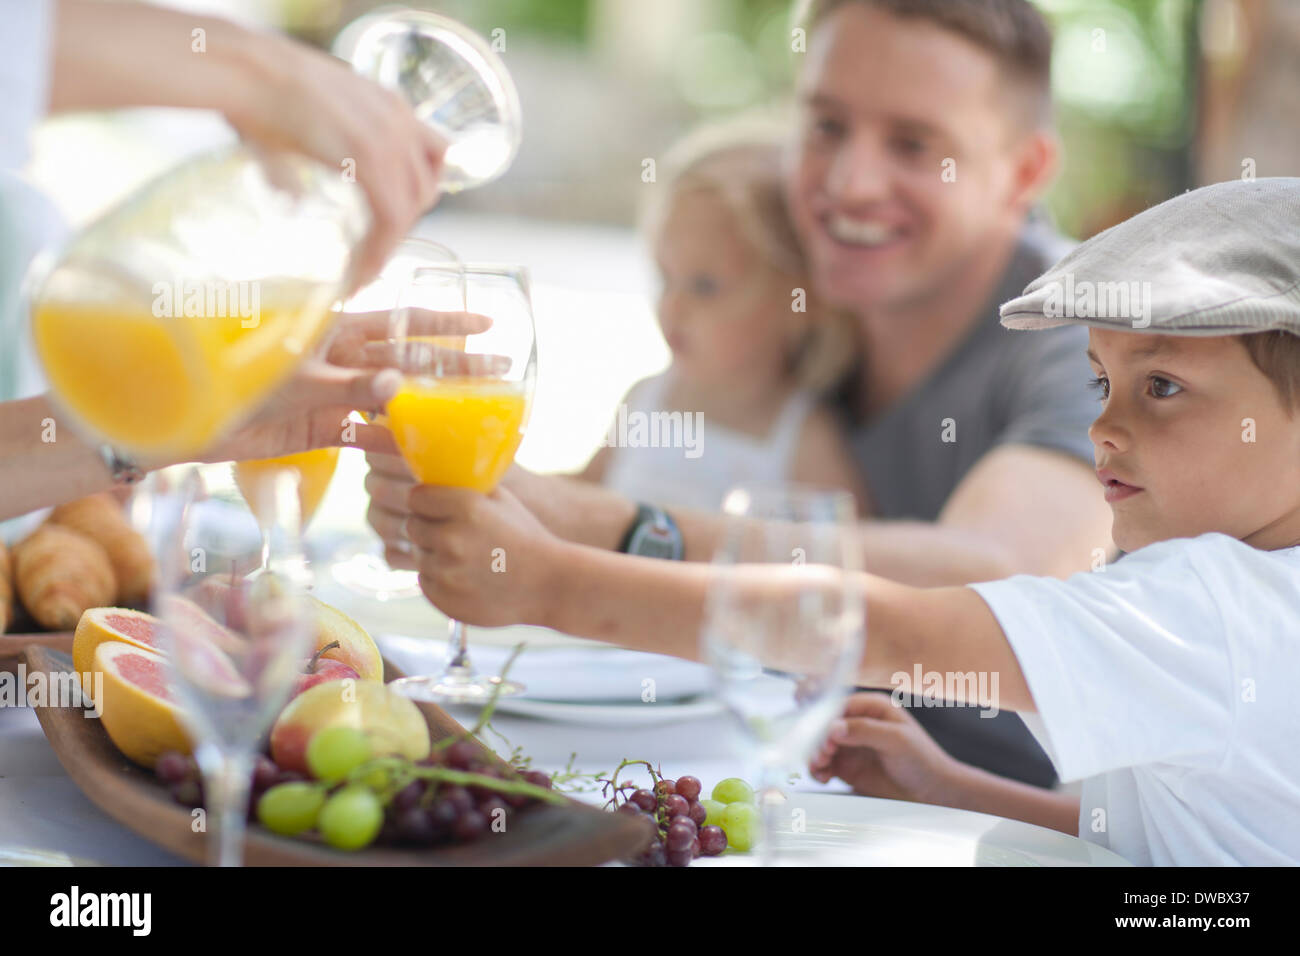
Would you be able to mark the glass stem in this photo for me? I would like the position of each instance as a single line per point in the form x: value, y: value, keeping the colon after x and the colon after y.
x: 770, y: 803
x: 226, y: 787
x: 458, y: 653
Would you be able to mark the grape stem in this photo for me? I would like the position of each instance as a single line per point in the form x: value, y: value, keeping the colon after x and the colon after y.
x: 573, y: 780
x: 484, y: 717
x: 404, y: 772
x: 401, y: 771
x: 485, y: 714
x: 656, y: 775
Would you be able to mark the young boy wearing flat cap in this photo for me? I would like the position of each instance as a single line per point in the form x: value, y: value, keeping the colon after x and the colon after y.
x: 1166, y: 682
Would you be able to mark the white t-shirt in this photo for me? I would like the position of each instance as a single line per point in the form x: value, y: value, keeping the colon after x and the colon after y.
x: 29, y: 222
x: 24, y: 76
x: 1168, y: 684
x: 715, y: 459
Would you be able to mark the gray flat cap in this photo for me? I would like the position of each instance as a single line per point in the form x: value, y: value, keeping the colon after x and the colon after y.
x: 1220, y: 260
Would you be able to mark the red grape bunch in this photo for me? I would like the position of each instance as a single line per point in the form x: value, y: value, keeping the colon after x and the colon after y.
x: 682, y: 829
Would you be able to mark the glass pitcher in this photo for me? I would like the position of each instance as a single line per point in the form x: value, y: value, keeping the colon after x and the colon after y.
x: 168, y: 320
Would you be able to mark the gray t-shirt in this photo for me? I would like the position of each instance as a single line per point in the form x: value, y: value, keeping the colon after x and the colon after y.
x: 997, y: 387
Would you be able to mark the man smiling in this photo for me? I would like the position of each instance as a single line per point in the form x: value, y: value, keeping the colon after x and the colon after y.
x: 923, y: 144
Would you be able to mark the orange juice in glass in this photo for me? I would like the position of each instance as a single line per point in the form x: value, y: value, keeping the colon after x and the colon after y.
x: 366, y: 570
x: 458, y: 431
x: 315, y: 469
x: 453, y: 342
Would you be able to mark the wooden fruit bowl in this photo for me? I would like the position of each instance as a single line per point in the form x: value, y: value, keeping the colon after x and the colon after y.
x: 574, y: 834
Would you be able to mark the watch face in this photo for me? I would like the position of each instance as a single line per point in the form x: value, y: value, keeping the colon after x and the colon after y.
x: 652, y: 542
x: 121, y: 469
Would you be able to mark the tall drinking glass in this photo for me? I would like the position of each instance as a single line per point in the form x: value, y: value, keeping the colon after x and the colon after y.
x: 784, y: 626
x: 460, y: 415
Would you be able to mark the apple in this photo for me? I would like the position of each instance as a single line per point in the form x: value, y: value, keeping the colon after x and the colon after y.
x: 334, y: 633
x: 355, y: 647
x: 393, y: 724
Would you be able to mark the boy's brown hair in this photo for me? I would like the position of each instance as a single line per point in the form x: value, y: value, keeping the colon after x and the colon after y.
x: 1013, y: 32
x: 1277, y: 354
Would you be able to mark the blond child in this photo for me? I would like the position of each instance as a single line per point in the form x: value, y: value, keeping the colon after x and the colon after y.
x: 751, y: 349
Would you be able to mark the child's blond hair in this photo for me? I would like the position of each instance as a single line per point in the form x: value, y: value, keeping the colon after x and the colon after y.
x: 740, y: 163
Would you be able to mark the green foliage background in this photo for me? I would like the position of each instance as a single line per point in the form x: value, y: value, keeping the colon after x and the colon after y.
x: 1126, y: 113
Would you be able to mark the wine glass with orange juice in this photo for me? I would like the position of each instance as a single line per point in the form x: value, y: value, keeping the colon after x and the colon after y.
x: 460, y: 416
x: 314, y: 470
x: 361, y: 568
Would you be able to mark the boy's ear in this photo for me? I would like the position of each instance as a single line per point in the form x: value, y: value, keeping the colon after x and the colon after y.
x: 1035, y: 162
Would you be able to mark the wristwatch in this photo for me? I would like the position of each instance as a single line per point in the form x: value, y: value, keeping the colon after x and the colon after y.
x: 653, y: 534
x: 123, y: 469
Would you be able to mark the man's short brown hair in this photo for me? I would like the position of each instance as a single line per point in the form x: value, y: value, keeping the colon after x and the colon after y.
x: 1277, y: 355
x: 1013, y: 32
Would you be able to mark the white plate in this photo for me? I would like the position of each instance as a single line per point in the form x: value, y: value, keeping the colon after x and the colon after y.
x: 611, y: 715
x: 595, y: 674
x: 834, y: 829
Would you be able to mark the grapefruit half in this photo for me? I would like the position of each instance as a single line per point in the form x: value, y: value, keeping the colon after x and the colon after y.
x: 138, y: 711
x: 100, y: 624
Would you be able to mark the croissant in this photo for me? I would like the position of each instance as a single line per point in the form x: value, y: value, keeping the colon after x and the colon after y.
x: 59, y: 573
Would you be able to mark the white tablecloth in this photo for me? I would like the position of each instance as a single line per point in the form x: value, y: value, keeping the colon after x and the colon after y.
x: 42, y: 809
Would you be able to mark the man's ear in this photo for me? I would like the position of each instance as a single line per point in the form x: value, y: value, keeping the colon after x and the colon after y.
x: 1035, y: 159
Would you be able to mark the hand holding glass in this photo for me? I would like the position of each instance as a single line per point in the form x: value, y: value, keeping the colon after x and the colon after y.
x: 461, y: 413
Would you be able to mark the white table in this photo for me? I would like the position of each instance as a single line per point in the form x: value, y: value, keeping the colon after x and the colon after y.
x: 41, y: 808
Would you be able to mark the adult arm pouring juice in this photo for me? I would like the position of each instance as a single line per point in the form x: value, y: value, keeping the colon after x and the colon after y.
x: 43, y: 461
x: 210, y: 289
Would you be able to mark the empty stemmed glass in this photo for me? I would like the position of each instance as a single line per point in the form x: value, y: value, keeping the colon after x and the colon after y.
x: 784, y: 625
x: 454, y: 80
x: 235, y: 627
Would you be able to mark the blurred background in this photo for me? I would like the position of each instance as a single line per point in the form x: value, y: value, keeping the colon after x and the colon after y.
x: 1154, y: 97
